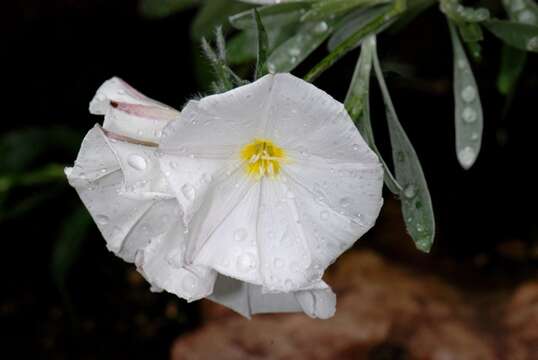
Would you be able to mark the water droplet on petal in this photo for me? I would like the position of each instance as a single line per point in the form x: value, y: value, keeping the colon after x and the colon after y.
x: 278, y: 263
x: 102, y: 219
x: 188, y: 283
x: 246, y: 262
x: 137, y: 162
x: 240, y: 234
x: 324, y: 215
x: 345, y: 202
x: 188, y: 191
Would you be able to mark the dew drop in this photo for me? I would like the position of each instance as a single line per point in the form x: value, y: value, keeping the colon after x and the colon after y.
x: 294, y: 52
x: 321, y: 27
x: 137, y: 162
x: 246, y: 262
x: 278, y: 263
x: 188, y: 191
x: 324, y: 215
x: 240, y: 234
x: 527, y: 17
x: 345, y: 202
x: 532, y: 44
x: 469, y: 115
x: 468, y: 94
x: 102, y: 219
x: 189, y: 282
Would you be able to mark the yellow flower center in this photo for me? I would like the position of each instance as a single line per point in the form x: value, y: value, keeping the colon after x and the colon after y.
x: 262, y: 158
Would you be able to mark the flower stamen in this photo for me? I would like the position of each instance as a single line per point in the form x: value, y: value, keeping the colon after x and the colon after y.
x: 263, y: 158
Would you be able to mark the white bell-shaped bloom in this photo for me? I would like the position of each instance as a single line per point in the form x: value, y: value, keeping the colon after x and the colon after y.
x: 275, y: 182
x: 118, y: 177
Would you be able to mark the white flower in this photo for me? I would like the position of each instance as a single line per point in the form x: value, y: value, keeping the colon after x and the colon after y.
x: 274, y: 180
x: 266, y: 185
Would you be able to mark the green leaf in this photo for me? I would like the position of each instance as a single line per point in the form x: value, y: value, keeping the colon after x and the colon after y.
x: 226, y: 79
x: 67, y: 248
x: 520, y: 36
x: 293, y: 51
x: 262, y: 46
x: 163, y: 8
x: 522, y: 11
x: 357, y: 104
x: 512, y: 64
x: 353, y: 23
x: 416, y: 201
x: 272, y: 15
x: 468, y: 108
x: 463, y: 14
x: 351, y: 42
x: 325, y: 9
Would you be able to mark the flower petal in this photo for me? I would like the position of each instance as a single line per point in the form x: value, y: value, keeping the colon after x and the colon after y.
x: 222, y: 234
x: 339, y: 203
x: 162, y: 263
x: 308, y: 121
x: 248, y: 299
x: 130, y: 113
x: 127, y: 223
x: 285, y: 257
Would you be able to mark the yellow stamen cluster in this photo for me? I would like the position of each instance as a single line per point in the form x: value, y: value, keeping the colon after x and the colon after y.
x: 262, y: 158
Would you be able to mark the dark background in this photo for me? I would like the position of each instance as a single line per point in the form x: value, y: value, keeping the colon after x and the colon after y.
x: 65, y: 296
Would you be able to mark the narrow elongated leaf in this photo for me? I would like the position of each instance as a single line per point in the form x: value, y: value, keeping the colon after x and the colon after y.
x: 416, y: 201
x: 271, y: 15
x: 357, y: 104
x: 353, y: 23
x: 512, y: 63
x: 351, y: 42
x: 325, y: 9
x: 293, y: 51
x: 520, y: 36
x: 262, y: 46
x: 468, y: 108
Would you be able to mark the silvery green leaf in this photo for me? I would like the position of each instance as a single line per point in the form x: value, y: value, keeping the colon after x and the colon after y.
x: 468, y: 109
x: 163, y: 8
x: 293, y: 51
x: 372, y: 27
x: 520, y: 36
x: 522, y: 11
x: 463, y: 14
x: 325, y: 9
x: 416, y: 201
x: 262, y: 46
x: 512, y: 63
x: 357, y: 104
x: 271, y: 15
x: 354, y: 22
